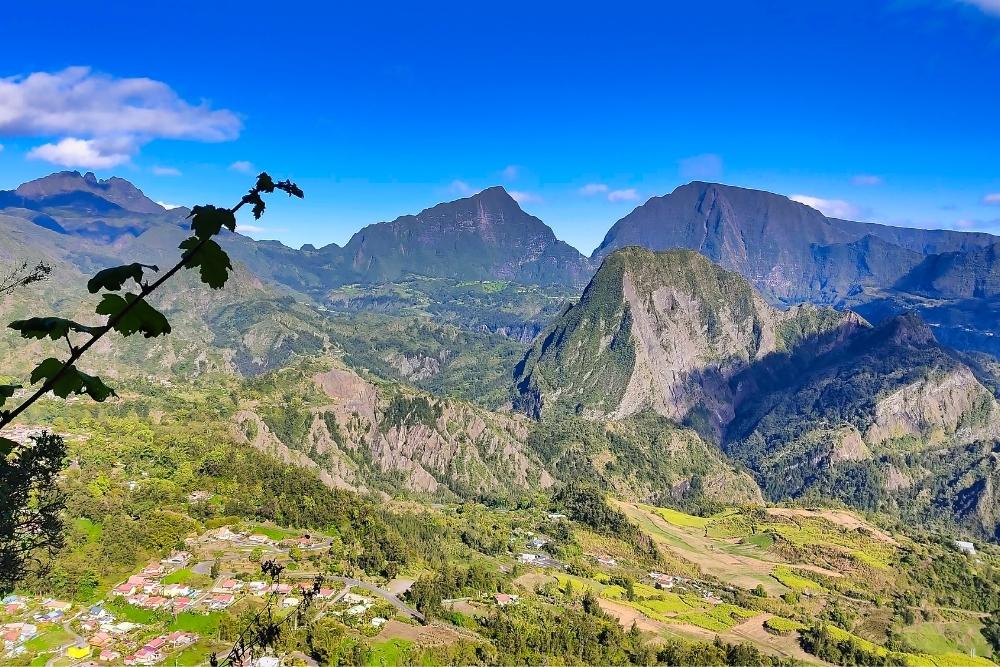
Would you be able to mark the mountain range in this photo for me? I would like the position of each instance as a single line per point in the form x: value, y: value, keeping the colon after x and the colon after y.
x: 788, y: 251
x: 721, y: 343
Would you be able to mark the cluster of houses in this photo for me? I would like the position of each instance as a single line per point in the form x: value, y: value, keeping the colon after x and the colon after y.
x: 225, y: 534
x: 227, y: 591
x: 668, y: 581
x: 146, y: 589
x: 104, y: 633
x: 15, y: 634
x: 153, y: 652
x: 661, y: 580
x: 359, y: 606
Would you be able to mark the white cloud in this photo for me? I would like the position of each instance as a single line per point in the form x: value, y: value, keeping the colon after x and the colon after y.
x: 628, y: 194
x: 834, y: 208
x: 166, y: 171
x: 254, y: 229
x: 524, y: 197
x: 992, y: 198
x: 966, y: 224
x: 169, y: 206
x: 1, y: 148
x: 591, y: 189
x: 242, y: 166
x: 705, y: 167
x: 511, y: 172
x: 988, y: 6
x: 867, y: 180
x: 87, y: 153
x: 460, y: 188
x: 100, y: 121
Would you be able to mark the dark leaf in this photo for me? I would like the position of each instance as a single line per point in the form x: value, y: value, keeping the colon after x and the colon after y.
x: 46, y: 369
x: 211, y: 259
x: 71, y: 381
x: 115, y: 277
x: 94, y: 387
x: 264, y: 183
x: 253, y: 197
x: 289, y: 187
x: 50, y: 327
x: 207, y: 221
x: 7, y: 446
x: 6, y: 391
x: 141, y: 317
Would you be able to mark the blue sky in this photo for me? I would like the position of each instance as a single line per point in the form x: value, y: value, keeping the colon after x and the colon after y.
x: 885, y: 111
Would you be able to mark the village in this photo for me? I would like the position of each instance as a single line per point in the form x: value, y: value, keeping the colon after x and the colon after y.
x: 167, y: 611
x: 139, y: 621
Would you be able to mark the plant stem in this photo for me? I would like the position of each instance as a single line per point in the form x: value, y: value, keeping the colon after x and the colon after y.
x: 7, y: 417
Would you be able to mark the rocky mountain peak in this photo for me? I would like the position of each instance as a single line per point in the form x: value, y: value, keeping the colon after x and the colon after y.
x: 115, y: 190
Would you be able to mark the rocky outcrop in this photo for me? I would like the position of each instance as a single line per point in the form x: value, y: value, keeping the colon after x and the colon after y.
x: 250, y: 429
x: 433, y: 445
x: 935, y: 406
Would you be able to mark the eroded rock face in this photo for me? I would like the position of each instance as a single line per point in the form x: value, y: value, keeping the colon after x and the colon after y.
x: 934, y: 403
x: 848, y: 446
x: 435, y: 445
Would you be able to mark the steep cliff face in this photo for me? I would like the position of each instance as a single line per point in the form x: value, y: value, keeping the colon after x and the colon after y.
x: 664, y: 331
x: 429, y: 445
x: 789, y: 251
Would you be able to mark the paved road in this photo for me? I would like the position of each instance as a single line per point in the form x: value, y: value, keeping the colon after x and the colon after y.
x: 77, y: 639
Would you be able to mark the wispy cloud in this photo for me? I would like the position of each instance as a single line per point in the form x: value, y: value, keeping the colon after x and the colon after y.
x: 834, y: 208
x: 242, y: 166
x: 987, y: 6
x: 522, y: 197
x: 254, y: 229
x: 992, y: 198
x: 511, y: 172
x: 867, y: 180
x: 169, y: 206
x: 705, y: 167
x: 97, y: 121
x: 972, y: 223
x: 166, y: 171
x: 591, y: 189
x: 462, y: 188
x: 628, y: 194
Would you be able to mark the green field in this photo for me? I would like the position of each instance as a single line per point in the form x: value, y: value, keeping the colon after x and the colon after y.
x: 938, y: 638
x: 797, y: 583
x: 205, y: 625
x: 48, y: 641
x: 391, y: 653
